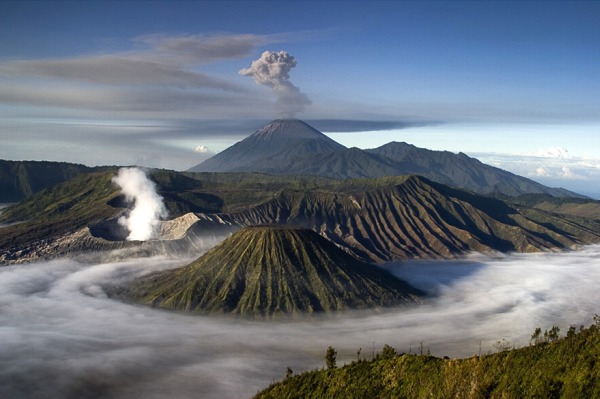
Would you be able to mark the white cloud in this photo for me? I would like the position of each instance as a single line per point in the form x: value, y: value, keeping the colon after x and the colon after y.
x: 65, y: 337
x: 201, y: 149
x: 542, y: 172
x: 554, y: 152
x: 163, y: 79
x: 554, y: 167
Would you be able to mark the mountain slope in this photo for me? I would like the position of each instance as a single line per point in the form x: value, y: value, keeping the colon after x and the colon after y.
x: 268, y: 270
x: 291, y: 147
x: 567, y: 368
x: 587, y: 208
x: 460, y: 170
x: 412, y: 217
x: 20, y: 179
x: 374, y: 219
x: 269, y: 146
x: 54, y: 221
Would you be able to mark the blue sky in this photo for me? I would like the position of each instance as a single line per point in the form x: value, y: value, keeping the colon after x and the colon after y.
x: 515, y: 84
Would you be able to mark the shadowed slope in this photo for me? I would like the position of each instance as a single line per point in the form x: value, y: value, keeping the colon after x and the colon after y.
x: 460, y: 170
x: 20, y: 179
x: 292, y: 147
x: 270, y: 147
x: 418, y: 218
x: 267, y: 270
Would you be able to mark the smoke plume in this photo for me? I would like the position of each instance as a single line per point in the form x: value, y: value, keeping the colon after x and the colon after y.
x: 148, y: 206
x: 272, y: 69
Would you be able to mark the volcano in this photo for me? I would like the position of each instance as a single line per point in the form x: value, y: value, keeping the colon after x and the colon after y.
x: 264, y: 271
x: 292, y: 147
x: 270, y: 148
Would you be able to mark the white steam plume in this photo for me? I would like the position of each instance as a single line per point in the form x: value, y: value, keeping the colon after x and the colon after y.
x: 272, y: 69
x: 148, y: 206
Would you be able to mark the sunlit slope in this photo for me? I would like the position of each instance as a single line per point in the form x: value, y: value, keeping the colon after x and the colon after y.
x: 587, y: 208
x: 374, y: 219
x: 269, y: 270
x: 568, y: 368
x: 42, y: 226
x: 415, y: 217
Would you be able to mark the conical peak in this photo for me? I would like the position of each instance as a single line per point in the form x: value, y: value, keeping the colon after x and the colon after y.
x: 306, y: 273
x: 279, y: 232
x: 288, y: 128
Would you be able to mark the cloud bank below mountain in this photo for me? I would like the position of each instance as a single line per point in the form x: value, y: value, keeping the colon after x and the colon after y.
x: 64, y: 337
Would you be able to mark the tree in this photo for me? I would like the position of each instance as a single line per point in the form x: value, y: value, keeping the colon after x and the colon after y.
x: 571, y: 333
x: 288, y: 373
x: 503, y: 345
x: 536, y: 337
x: 358, y: 354
x: 330, y: 358
x: 388, y: 352
x: 552, y: 335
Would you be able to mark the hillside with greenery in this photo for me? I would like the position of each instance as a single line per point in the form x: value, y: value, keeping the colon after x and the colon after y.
x: 20, y: 179
x: 581, y: 207
x: 265, y: 271
x: 411, y: 217
x: 551, y: 367
x: 45, y: 217
x: 376, y: 220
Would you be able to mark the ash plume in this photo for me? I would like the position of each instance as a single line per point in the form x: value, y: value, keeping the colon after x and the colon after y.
x: 272, y: 69
x: 148, y: 206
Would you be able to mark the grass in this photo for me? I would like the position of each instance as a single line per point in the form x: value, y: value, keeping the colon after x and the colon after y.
x: 566, y: 368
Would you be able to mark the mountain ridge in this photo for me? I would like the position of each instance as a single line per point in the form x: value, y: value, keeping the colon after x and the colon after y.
x: 376, y: 220
x: 20, y: 179
x: 418, y: 218
x: 303, y: 150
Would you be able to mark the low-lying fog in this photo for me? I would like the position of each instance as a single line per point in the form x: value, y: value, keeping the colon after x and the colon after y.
x: 61, y: 337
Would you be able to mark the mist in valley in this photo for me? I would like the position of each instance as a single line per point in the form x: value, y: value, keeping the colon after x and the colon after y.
x: 61, y: 336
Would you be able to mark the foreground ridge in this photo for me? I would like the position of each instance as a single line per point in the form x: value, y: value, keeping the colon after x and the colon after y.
x: 566, y: 368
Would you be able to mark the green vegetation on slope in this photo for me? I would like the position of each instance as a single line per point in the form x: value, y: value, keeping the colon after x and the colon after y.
x: 410, y: 216
x: 212, y: 192
x: 376, y: 220
x: 48, y: 214
x: 20, y: 179
x: 566, y: 368
x: 267, y: 270
x: 581, y: 207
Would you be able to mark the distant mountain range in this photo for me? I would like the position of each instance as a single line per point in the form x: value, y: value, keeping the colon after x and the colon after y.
x: 292, y: 147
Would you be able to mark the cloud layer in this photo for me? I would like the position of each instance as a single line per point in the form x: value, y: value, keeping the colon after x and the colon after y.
x: 162, y: 74
x: 63, y: 338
